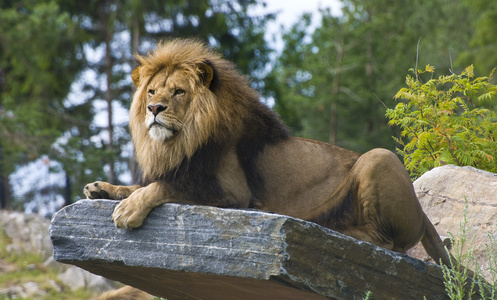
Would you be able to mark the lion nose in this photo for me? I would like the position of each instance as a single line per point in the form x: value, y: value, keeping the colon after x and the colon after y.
x: 156, y: 108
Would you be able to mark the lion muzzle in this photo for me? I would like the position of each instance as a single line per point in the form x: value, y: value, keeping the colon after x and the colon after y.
x: 156, y: 109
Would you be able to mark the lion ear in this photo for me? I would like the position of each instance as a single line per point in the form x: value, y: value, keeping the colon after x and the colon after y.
x: 206, y: 73
x: 135, y: 75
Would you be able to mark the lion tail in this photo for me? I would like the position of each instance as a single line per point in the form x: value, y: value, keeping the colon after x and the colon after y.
x: 433, y: 244
x: 436, y: 249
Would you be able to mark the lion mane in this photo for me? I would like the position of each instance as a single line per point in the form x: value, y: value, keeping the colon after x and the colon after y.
x: 228, y: 111
x: 202, y: 136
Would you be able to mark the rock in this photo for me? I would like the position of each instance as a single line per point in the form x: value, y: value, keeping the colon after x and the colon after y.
x: 12, y: 292
x: 200, y: 252
x: 32, y: 289
x: 51, y: 263
x: 55, y: 286
x: 27, y: 232
x: 445, y: 191
x: 76, y: 278
x: 28, y: 290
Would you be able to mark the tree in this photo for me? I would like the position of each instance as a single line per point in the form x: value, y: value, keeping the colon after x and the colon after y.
x: 39, y: 59
x: 90, y: 149
x: 331, y: 87
x: 481, y: 52
x: 336, y: 80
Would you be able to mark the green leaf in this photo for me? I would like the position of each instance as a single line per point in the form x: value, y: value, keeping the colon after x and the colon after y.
x: 439, y: 126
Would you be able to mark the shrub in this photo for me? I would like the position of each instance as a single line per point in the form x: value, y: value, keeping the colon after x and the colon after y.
x: 445, y: 121
x: 457, y: 284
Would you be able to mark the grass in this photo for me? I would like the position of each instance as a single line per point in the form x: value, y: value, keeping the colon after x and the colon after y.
x: 458, y: 285
x: 28, y: 267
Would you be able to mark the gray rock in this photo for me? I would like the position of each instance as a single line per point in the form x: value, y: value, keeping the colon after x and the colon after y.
x: 77, y: 278
x: 444, y: 192
x: 52, y: 264
x: 32, y: 288
x: 199, y: 252
x: 28, y: 290
x: 27, y: 232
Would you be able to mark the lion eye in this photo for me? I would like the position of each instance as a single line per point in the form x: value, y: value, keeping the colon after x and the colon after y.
x: 151, y: 92
x: 178, y: 92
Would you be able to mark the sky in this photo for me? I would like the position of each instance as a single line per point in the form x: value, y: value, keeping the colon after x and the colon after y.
x: 289, y: 11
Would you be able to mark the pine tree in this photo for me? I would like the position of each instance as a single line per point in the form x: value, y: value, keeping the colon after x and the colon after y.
x: 39, y: 59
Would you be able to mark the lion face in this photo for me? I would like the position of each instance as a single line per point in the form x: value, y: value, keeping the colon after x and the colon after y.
x: 167, y: 101
x: 178, y: 106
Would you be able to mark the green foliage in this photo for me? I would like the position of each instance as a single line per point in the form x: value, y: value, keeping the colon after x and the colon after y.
x: 456, y: 281
x: 444, y: 121
x: 38, y: 62
x: 368, y: 296
x: 332, y: 81
x: 483, y: 20
x: 324, y: 91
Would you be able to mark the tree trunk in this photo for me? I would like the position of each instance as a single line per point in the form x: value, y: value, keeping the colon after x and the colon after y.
x: 370, y: 71
x: 4, y: 185
x: 4, y: 190
x: 136, y: 176
x: 68, y: 191
x: 108, y: 21
x: 339, y: 45
x: 4, y: 179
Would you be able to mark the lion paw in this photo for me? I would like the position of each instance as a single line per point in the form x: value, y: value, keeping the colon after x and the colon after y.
x: 98, y: 190
x: 130, y: 213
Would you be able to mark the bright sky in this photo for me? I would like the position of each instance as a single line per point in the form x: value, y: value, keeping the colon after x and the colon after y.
x: 290, y: 11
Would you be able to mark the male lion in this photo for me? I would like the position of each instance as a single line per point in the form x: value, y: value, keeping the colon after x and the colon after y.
x: 202, y: 137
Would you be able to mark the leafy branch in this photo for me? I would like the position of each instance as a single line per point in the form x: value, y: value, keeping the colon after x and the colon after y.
x: 445, y: 121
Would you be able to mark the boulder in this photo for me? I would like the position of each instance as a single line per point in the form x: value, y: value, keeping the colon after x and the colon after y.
x: 200, y: 252
x: 77, y: 278
x: 444, y: 194
x: 28, y: 232
x: 28, y: 290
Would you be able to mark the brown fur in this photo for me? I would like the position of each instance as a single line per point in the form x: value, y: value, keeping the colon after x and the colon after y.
x: 125, y: 293
x: 208, y: 116
x: 220, y: 146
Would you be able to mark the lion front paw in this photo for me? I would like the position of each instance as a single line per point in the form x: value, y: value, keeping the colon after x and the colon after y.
x: 98, y: 190
x: 130, y: 213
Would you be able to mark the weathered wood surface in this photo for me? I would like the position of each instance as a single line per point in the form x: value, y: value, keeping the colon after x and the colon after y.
x: 199, y: 252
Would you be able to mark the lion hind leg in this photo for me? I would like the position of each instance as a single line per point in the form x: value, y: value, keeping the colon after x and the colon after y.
x: 433, y: 244
x: 435, y: 247
x: 368, y: 234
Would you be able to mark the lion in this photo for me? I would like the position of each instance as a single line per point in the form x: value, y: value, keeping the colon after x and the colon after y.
x: 202, y: 137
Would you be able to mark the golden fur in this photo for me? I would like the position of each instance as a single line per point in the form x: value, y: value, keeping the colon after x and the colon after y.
x: 208, y: 114
x: 125, y: 293
x: 202, y: 137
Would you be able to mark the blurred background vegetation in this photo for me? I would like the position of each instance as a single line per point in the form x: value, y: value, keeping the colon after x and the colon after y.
x: 65, y: 81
